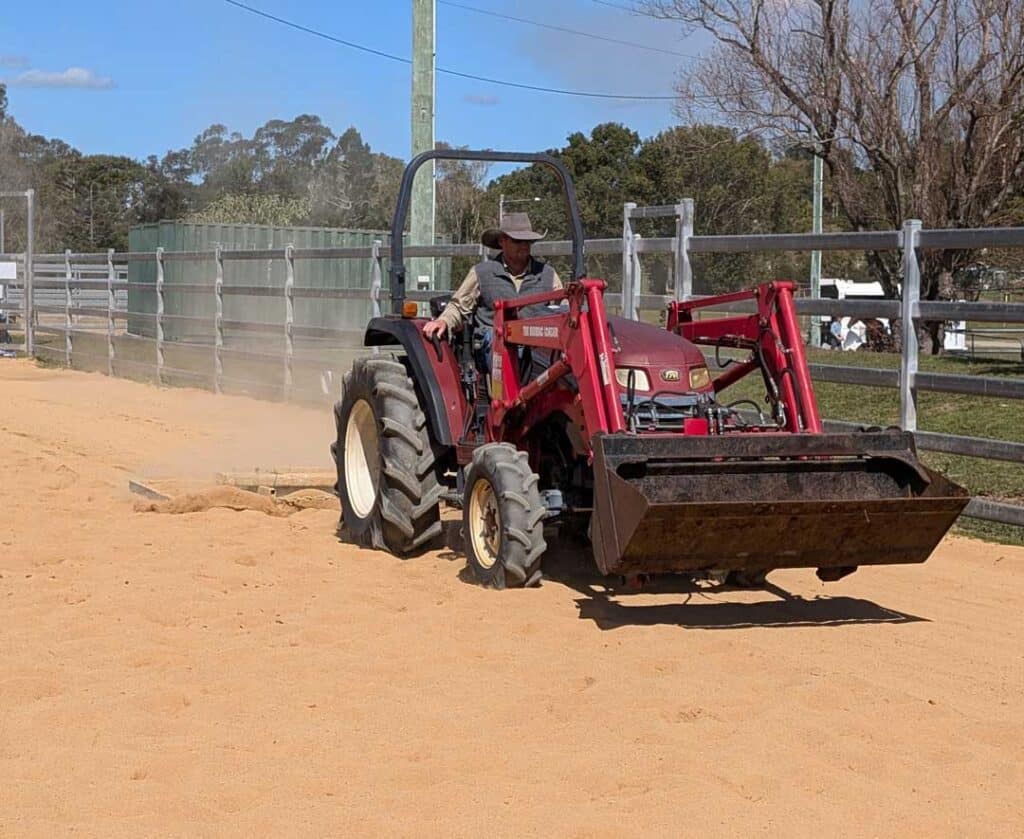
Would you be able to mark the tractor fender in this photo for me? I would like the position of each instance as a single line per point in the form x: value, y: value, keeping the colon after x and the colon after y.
x: 438, y: 378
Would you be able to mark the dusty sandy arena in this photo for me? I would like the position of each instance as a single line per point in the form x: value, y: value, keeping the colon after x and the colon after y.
x: 228, y: 673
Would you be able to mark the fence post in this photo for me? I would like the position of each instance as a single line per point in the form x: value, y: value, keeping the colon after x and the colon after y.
x: 67, y: 307
x: 218, y: 321
x: 909, y: 308
x: 111, y: 304
x: 627, y: 260
x: 28, y: 298
x: 377, y: 281
x: 289, y: 319
x: 160, y: 316
x: 684, y: 231
x: 637, y: 279
x: 376, y: 278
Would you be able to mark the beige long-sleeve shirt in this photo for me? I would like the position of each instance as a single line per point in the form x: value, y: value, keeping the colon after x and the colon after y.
x: 465, y: 297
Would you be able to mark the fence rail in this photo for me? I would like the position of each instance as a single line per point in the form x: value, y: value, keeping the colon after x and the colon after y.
x: 59, y: 294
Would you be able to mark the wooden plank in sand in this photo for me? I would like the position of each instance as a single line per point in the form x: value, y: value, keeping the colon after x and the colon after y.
x: 284, y: 480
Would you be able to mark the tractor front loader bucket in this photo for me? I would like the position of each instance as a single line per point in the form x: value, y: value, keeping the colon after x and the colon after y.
x: 755, y: 502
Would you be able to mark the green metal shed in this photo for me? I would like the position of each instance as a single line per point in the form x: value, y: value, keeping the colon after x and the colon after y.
x: 309, y: 273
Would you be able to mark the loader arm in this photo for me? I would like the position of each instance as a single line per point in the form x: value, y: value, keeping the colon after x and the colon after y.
x: 582, y: 346
x: 773, y: 336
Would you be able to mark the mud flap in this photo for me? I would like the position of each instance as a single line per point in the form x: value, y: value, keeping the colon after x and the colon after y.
x: 673, y: 503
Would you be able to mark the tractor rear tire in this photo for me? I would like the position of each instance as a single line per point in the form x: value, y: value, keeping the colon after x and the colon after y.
x: 503, y: 518
x: 387, y: 469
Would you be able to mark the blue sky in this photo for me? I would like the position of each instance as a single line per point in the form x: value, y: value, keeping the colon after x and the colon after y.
x: 137, y: 78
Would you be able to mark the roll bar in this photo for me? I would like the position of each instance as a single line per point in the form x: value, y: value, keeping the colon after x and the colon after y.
x: 397, y: 269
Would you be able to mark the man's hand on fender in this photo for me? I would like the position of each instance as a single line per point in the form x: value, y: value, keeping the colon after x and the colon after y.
x: 435, y: 327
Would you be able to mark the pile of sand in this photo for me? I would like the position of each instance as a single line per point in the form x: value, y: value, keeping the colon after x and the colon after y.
x: 233, y: 498
x: 310, y: 499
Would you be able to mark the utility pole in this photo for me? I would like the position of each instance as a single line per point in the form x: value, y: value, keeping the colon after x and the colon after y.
x: 423, y: 54
x: 502, y: 202
x: 814, y: 338
x: 30, y: 283
x: 3, y: 238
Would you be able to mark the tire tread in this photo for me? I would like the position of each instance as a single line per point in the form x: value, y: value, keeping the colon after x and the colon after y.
x: 407, y: 515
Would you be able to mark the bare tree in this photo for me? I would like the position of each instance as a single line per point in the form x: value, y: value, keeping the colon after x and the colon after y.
x: 916, y: 107
x: 460, y: 198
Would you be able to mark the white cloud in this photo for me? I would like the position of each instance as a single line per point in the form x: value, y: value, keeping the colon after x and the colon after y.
x: 587, y: 64
x: 15, y: 62
x: 481, y: 99
x: 73, y: 77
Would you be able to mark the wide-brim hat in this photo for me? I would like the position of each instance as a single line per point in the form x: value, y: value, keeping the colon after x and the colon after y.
x: 515, y: 226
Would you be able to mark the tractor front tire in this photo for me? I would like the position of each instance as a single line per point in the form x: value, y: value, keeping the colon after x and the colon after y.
x: 503, y: 518
x: 387, y: 470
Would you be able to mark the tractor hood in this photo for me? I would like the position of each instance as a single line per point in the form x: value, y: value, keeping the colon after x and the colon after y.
x: 646, y: 345
x: 656, y: 350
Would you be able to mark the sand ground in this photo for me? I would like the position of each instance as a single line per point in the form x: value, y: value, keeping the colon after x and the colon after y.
x: 230, y: 673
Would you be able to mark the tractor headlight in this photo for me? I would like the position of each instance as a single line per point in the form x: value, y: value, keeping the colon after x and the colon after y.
x: 700, y: 378
x: 640, y: 380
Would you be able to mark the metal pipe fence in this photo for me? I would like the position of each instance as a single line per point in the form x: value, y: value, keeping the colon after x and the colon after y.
x: 82, y: 301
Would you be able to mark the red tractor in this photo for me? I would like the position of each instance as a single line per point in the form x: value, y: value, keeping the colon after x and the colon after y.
x: 624, y: 436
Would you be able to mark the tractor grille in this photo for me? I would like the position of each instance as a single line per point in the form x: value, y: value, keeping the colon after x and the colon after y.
x: 661, y: 412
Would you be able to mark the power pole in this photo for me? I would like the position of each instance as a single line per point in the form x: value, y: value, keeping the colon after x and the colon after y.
x: 423, y: 53
x: 502, y: 202
x: 815, y: 332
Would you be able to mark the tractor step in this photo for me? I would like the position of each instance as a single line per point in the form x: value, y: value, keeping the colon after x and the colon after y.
x: 672, y: 503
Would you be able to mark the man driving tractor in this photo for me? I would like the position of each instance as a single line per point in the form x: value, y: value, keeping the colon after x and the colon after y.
x: 514, y: 272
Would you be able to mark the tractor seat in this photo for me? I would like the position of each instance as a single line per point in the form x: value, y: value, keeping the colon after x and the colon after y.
x: 438, y: 303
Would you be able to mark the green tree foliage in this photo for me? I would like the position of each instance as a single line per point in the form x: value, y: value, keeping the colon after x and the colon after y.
x: 93, y: 200
x: 738, y: 188
x: 605, y: 171
x: 85, y: 202
x: 288, y: 172
x: 169, y: 189
x: 286, y: 154
x: 301, y: 163
x: 737, y: 184
x: 275, y: 210
x: 343, y: 187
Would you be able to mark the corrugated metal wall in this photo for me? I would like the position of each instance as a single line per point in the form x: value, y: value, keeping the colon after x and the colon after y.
x: 309, y: 273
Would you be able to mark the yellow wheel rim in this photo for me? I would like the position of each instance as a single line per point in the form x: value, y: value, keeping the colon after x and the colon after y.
x: 484, y: 523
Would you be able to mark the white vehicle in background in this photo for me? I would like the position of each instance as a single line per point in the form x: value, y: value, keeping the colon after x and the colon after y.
x: 854, y: 332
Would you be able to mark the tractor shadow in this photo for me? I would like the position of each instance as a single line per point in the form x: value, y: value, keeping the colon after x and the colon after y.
x: 606, y: 600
